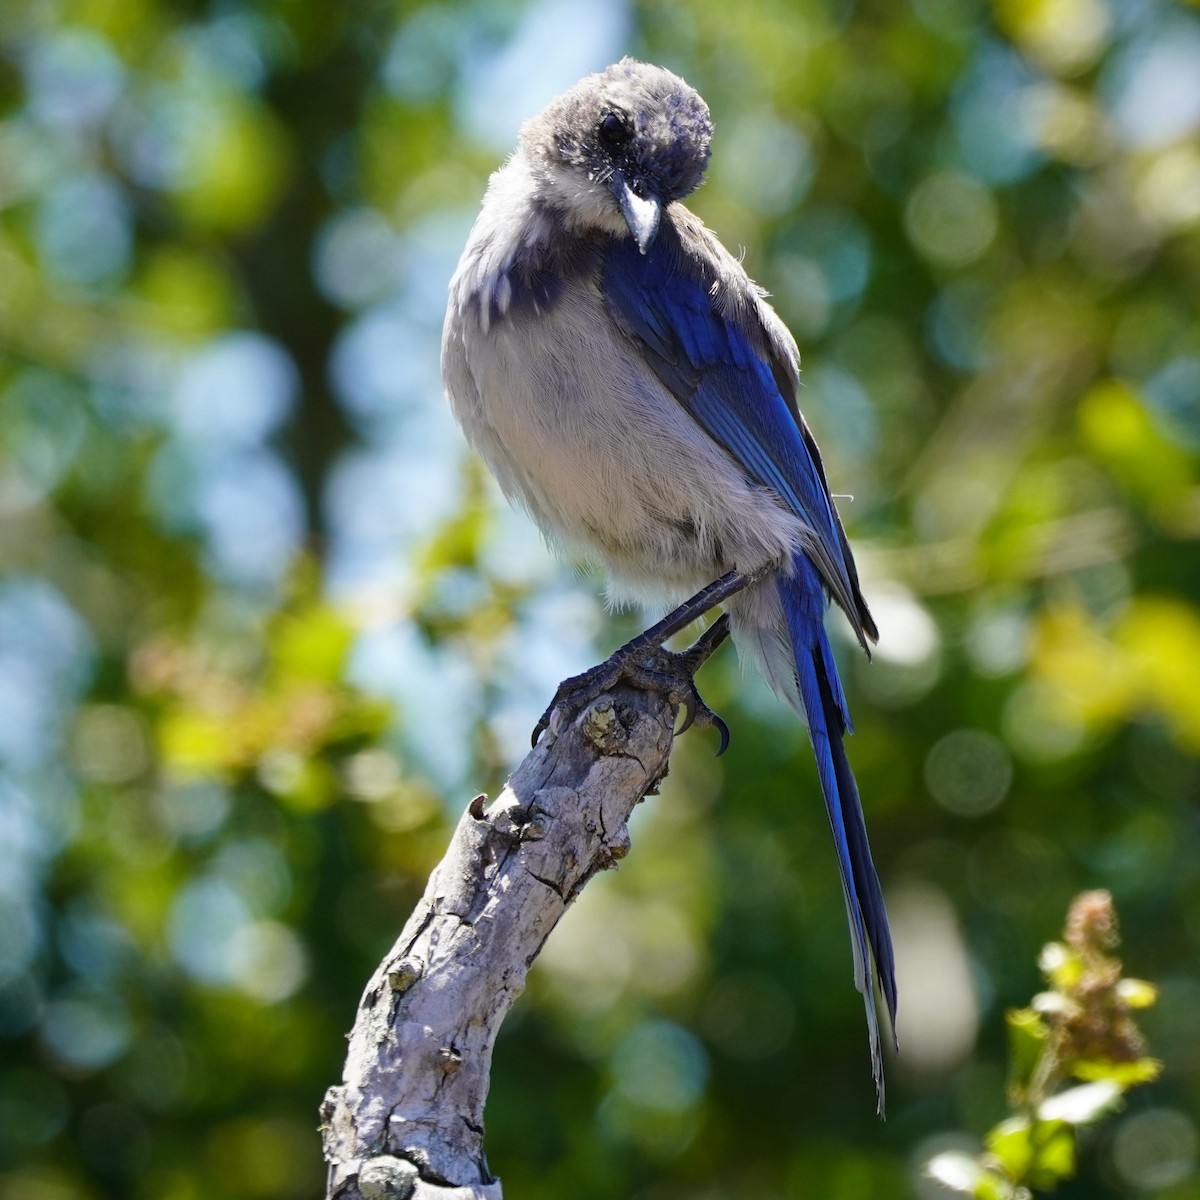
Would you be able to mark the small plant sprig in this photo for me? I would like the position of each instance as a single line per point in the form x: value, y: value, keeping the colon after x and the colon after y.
x: 1080, y: 1032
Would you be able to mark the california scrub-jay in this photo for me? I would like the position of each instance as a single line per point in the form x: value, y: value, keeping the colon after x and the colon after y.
x: 630, y: 387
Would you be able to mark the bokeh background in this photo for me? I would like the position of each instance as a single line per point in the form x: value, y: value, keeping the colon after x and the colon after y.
x: 266, y: 626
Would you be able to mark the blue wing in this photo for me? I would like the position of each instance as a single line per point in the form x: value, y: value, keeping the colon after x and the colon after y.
x: 715, y: 357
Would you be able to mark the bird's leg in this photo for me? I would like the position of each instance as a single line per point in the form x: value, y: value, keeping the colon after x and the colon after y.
x: 644, y: 663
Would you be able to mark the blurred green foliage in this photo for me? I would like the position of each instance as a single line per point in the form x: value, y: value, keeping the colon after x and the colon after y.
x: 265, y: 628
x: 1082, y: 1028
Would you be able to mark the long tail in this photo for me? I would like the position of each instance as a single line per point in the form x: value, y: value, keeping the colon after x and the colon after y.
x: 783, y: 628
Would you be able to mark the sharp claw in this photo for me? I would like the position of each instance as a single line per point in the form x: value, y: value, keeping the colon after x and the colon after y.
x: 689, y: 715
x: 723, y: 730
x: 544, y: 721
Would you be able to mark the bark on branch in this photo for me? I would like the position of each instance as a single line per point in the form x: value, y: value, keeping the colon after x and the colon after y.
x: 407, y: 1121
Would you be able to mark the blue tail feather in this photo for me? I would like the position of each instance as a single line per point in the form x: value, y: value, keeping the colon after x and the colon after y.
x: 824, y: 704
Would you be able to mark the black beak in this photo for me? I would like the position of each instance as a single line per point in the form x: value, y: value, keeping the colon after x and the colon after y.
x: 641, y: 213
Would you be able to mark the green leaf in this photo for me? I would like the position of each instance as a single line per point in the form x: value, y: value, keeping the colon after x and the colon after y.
x: 1041, y: 1155
x: 1009, y: 1144
x: 1124, y: 1074
x: 1054, y: 1157
x: 1027, y: 1035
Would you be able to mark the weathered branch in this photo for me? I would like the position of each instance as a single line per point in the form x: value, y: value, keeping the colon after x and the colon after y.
x: 408, y: 1119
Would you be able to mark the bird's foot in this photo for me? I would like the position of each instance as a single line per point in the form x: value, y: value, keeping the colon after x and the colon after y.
x: 652, y: 669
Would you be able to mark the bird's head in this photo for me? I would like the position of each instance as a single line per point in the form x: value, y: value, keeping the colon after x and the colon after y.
x: 611, y: 151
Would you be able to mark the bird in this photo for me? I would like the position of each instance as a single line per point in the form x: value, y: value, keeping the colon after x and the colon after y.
x: 633, y: 390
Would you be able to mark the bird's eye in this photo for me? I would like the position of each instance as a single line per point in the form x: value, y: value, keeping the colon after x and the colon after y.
x: 614, y: 129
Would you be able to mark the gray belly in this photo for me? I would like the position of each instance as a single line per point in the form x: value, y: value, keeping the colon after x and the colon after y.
x: 607, y: 461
